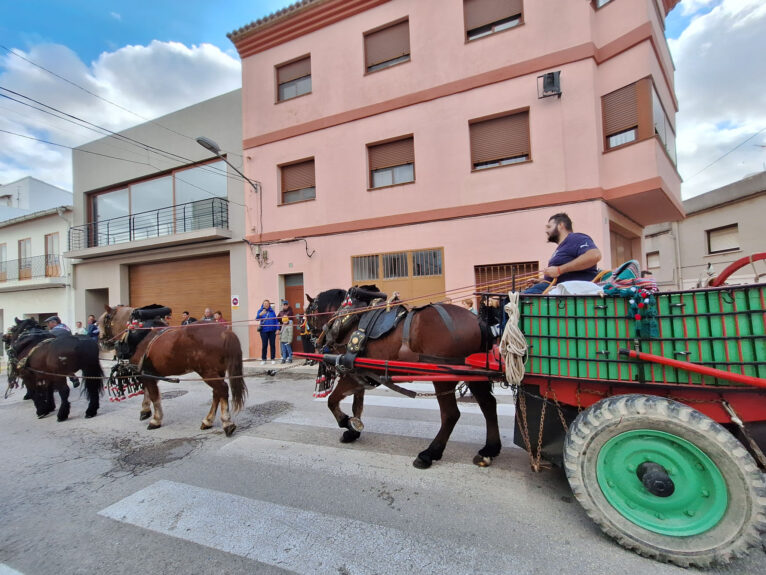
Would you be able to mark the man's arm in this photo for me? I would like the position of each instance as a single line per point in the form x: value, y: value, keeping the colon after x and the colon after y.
x: 581, y: 262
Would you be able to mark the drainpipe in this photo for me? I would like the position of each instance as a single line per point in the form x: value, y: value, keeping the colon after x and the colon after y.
x: 677, y: 243
x: 69, y: 288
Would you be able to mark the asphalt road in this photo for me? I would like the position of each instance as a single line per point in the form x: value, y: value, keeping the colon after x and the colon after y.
x: 282, y: 495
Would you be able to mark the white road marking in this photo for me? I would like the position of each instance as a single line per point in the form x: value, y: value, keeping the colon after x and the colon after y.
x: 400, y: 427
x: 302, y: 541
x: 5, y: 570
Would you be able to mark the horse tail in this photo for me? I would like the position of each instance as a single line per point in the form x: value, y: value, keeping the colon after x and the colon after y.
x: 93, y: 375
x: 233, y: 351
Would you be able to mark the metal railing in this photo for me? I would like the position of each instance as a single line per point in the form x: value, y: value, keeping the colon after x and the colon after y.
x: 199, y: 215
x: 50, y: 266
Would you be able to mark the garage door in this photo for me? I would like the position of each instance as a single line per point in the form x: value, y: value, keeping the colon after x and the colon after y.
x: 191, y: 284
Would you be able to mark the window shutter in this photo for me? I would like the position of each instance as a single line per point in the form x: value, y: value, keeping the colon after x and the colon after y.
x: 294, y: 70
x: 387, y: 44
x: 298, y: 176
x: 620, y: 110
x: 392, y: 154
x: 479, y: 13
x: 498, y: 138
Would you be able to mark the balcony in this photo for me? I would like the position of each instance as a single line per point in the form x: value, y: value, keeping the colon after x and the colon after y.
x: 38, y: 272
x: 203, y: 220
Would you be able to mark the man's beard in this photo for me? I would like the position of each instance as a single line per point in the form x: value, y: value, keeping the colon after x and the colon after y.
x: 553, y: 237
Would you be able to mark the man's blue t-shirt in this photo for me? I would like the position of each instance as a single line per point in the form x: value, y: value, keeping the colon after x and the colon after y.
x: 573, y: 246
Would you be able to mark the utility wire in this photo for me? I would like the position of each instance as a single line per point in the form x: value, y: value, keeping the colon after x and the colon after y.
x: 76, y: 85
x: 726, y: 154
x: 109, y: 133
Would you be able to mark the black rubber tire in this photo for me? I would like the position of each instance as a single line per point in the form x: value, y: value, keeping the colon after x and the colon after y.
x: 745, y: 518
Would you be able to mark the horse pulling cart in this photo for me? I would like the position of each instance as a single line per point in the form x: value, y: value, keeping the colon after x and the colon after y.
x: 656, y: 411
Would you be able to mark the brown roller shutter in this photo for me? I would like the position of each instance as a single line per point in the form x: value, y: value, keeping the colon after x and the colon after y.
x: 392, y: 154
x: 498, y: 138
x: 620, y: 110
x: 387, y: 44
x: 190, y: 284
x: 294, y: 70
x: 479, y: 13
x: 298, y: 176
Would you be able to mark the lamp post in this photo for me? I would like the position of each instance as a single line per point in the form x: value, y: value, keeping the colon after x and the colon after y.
x: 211, y: 146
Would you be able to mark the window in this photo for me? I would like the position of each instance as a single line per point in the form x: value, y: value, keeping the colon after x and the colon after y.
x: 364, y: 268
x: 395, y: 265
x: 294, y: 79
x: 499, y: 278
x: 52, y: 267
x: 392, y: 163
x: 25, y: 259
x: 723, y: 239
x: 485, y: 17
x: 622, y: 110
x: 298, y: 182
x: 182, y: 201
x: 662, y: 128
x: 387, y: 47
x: 427, y: 263
x: 3, y: 262
x: 500, y: 141
x: 653, y: 260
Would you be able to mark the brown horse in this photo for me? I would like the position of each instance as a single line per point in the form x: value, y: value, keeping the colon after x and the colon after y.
x: 429, y: 335
x: 209, y: 349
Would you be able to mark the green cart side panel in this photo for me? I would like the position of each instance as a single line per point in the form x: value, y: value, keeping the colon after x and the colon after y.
x: 579, y: 336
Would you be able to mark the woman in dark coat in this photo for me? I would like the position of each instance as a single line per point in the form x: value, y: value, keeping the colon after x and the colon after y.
x: 268, y: 326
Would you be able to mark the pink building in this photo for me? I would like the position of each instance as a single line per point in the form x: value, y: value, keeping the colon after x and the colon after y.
x: 423, y: 145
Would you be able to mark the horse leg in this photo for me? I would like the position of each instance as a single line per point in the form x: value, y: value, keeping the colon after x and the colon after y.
x: 488, y: 405
x: 146, y: 406
x: 153, y: 391
x: 61, y: 386
x: 38, y: 388
x: 449, y: 416
x: 220, y: 398
x: 354, y: 426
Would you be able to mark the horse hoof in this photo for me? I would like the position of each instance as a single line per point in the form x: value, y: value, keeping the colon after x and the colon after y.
x: 205, y: 426
x: 421, y: 463
x: 229, y: 430
x: 349, y: 436
x: 153, y: 426
x: 89, y: 415
x: 27, y: 396
x: 482, y: 461
x: 41, y: 415
x: 355, y: 424
x: 144, y: 415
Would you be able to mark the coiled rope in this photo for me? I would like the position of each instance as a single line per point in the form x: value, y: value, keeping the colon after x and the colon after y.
x: 513, y: 344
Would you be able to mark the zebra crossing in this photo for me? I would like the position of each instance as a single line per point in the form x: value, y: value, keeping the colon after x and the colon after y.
x: 307, y: 541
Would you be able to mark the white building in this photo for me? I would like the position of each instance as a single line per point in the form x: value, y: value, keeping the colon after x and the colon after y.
x: 29, y: 195
x: 721, y: 226
x: 35, y: 281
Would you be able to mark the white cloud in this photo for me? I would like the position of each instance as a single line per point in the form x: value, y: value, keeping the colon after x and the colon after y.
x: 719, y: 84
x: 689, y: 7
x: 149, y: 80
x: 115, y: 15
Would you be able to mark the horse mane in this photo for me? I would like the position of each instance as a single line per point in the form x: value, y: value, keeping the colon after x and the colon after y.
x: 330, y: 299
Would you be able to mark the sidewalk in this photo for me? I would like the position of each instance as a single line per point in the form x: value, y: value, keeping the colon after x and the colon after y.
x: 253, y: 367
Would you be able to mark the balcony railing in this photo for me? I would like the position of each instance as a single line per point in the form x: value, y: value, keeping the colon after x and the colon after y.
x: 49, y: 266
x: 199, y: 215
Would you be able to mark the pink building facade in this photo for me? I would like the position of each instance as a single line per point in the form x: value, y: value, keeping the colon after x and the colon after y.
x: 407, y: 143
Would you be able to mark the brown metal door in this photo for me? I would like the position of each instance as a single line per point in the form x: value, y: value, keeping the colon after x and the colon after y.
x: 294, y: 295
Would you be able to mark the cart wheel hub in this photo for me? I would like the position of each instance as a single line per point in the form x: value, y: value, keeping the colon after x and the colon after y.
x: 632, y: 472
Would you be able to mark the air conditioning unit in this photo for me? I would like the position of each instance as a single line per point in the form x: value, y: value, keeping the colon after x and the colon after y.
x: 549, y: 84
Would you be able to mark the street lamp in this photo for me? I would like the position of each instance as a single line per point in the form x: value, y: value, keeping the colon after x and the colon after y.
x: 211, y: 146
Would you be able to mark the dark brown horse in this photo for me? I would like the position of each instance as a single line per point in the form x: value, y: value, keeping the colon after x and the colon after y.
x: 45, y: 362
x: 428, y: 336
x: 210, y: 349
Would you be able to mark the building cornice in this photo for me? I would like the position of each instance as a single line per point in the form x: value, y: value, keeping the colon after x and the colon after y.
x: 294, y: 21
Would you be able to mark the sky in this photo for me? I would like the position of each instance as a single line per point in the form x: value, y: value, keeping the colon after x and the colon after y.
x: 117, y: 64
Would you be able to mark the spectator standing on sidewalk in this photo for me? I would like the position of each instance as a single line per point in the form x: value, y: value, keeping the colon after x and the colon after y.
x: 286, y: 339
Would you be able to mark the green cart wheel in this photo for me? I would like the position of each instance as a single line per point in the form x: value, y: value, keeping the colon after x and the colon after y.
x: 665, y: 480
